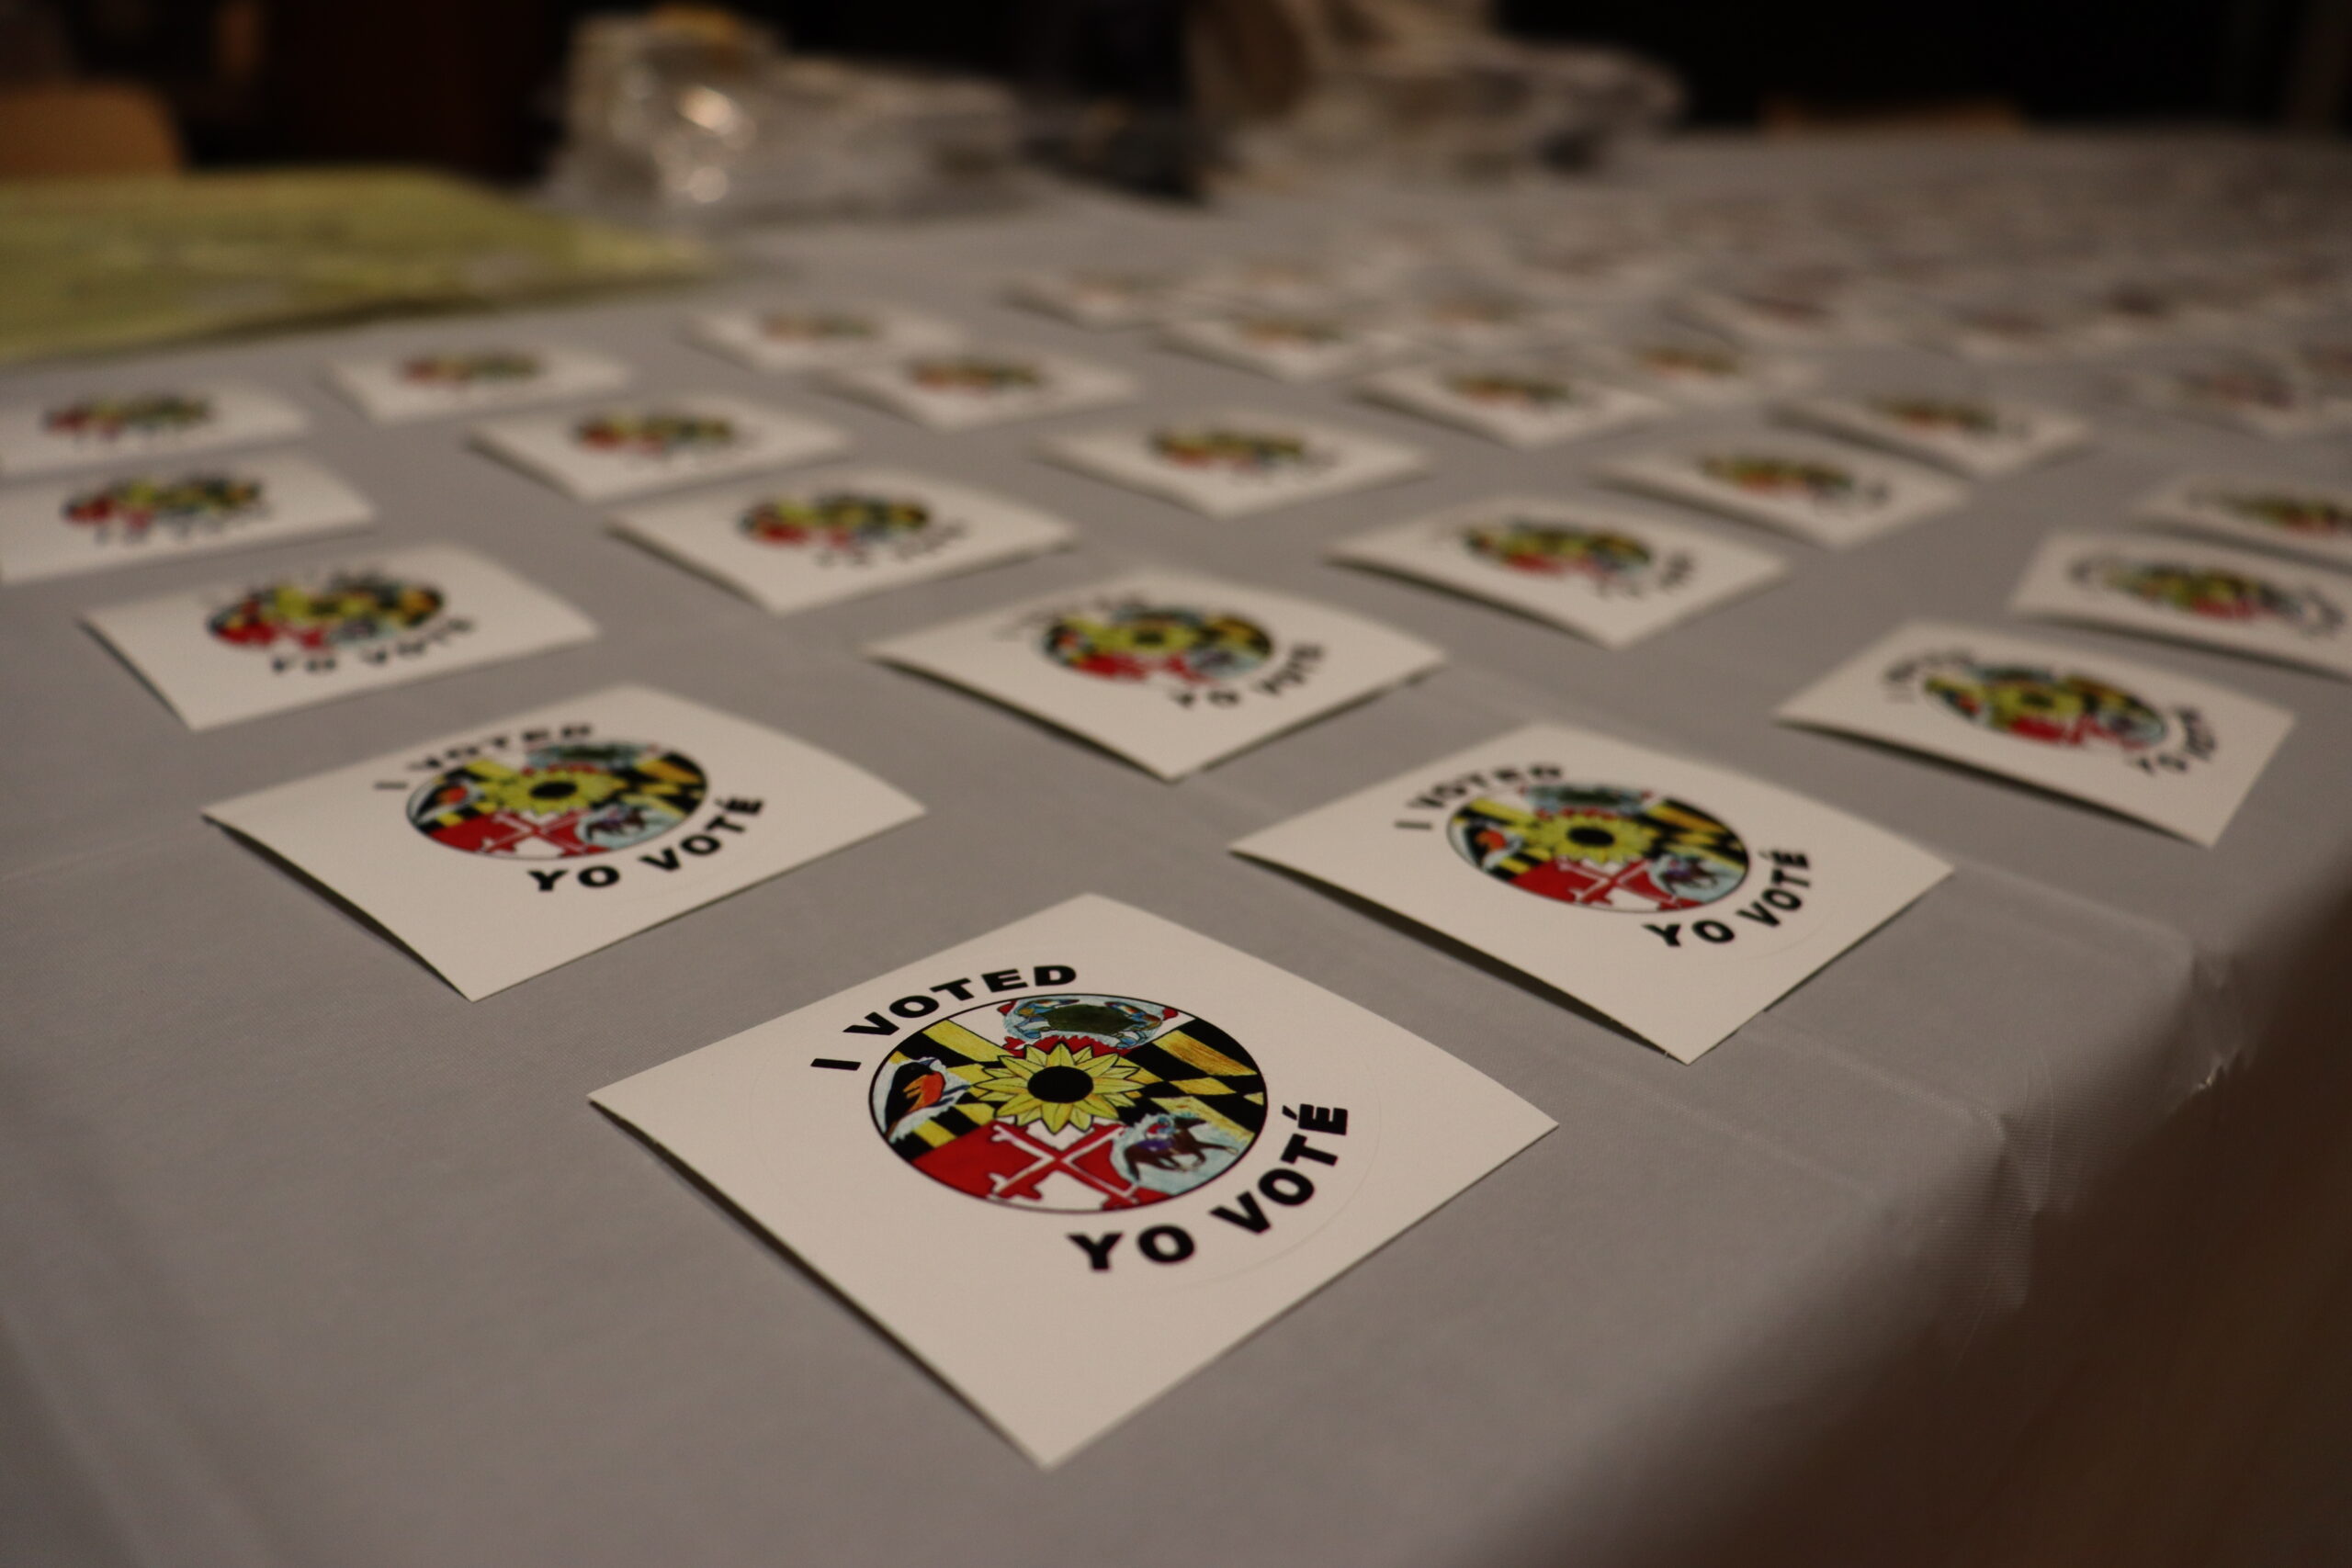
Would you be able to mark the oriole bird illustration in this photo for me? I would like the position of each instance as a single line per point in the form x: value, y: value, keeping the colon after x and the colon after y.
x: 917, y: 1089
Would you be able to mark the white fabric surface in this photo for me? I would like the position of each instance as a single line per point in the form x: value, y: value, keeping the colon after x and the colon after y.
x: 304, y: 1259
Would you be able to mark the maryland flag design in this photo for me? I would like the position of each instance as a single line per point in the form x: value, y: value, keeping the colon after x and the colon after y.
x: 349, y: 609
x: 1173, y: 643
x: 1600, y: 846
x: 1238, y: 451
x: 2041, y: 705
x: 1552, y: 549
x: 1937, y: 416
x: 469, y: 369
x: 568, y: 798
x: 1073, y: 1103
x: 1824, y: 484
x: 107, y: 419
x: 969, y: 373
x: 657, y: 434
x: 2284, y: 509
x: 2209, y: 592
x: 1522, y: 391
x: 840, y: 521
x: 135, y: 505
x: 817, y: 326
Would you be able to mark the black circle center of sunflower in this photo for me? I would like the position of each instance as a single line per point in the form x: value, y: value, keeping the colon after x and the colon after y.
x: 1592, y: 838
x: 1061, y: 1085
x: 554, y: 789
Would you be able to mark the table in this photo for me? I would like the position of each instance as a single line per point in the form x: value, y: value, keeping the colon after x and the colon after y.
x: 1992, y: 1242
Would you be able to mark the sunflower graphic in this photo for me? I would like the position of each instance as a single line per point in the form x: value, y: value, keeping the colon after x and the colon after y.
x: 564, y: 798
x: 2044, y: 705
x: 966, y: 373
x: 2281, y: 509
x: 1138, y: 641
x: 135, y: 505
x: 837, y: 522
x: 1557, y: 550
x: 469, y: 369
x: 654, y: 435
x: 1060, y: 1088
x: 350, y: 609
x: 1070, y: 1104
x: 147, y: 413
x: 1600, y: 846
x: 1241, y: 451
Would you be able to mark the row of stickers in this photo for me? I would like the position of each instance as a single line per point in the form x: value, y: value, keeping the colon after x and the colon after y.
x: 1092, y: 1105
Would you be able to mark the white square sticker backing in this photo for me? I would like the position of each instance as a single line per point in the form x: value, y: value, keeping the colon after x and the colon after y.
x: 2175, y: 753
x: 1677, y: 899
x: 2186, y: 591
x: 265, y: 644
x: 435, y: 383
x: 784, y: 338
x: 1610, y: 575
x: 141, y: 424
x: 823, y: 535
x: 1814, y: 491
x: 1236, y: 462
x: 2297, y: 516
x: 503, y: 851
x: 613, y: 451
x: 174, y: 507
x: 1093, y: 1116
x: 1169, y: 670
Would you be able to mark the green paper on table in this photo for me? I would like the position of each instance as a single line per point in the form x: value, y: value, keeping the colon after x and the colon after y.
x: 115, y: 262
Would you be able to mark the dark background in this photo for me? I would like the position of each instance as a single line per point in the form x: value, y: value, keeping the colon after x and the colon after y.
x: 474, y: 85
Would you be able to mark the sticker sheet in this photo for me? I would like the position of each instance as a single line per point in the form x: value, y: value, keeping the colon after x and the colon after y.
x: 824, y: 535
x: 2295, y: 515
x: 2174, y: 753
x: 262, y: 645
x: 1487, y: 321
x: 621, y: 450
x: 820, y: 335
x: 1232, y: 462
x: 138, y: 424
x: 1105, y: 299
x: 1169, y: 670
x: 1292, y: 345
x: 968, y: 388
x: 1677, y: 899
x: 502, y: 852
x: 1698, y: 372
x: 1817, y: 493
x: 1525, y: 403
x: 471, y: 377
x: 133, y: 515
x: 1982, y: 438
x: 1090, y: 1121
x: 1610, y: 575
x: 2237, y: 601
x: 2263, y: 398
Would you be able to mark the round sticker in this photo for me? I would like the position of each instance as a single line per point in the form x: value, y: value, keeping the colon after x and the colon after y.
x: 2036, y: 704
x: 469, y: 369
x: 1599, y: 846
x: 1552, y: 549
x: 838, y: 521
x: 1072, y: 1103
x: 347, y: 610
x: 1242, y: 451
x: 1169, y: 642
x: 135, y: 505
x: 566, y: 798
x: 152, y: 413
